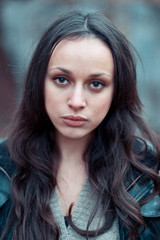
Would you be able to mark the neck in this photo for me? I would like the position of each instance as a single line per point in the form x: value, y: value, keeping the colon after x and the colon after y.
x: 72, y: 151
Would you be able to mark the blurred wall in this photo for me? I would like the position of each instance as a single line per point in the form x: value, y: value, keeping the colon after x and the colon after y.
x: 23, y: 21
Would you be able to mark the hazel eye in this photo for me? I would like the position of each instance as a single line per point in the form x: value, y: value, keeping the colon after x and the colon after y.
x: 97, y: 85
x: 60, y: 80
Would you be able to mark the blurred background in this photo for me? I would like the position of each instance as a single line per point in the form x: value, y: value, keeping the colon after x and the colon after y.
x: 23, y: 21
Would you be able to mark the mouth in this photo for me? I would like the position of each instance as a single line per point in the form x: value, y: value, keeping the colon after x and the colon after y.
x: 74, y: 121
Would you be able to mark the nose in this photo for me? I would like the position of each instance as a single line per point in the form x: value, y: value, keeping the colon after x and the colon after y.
x: 77, y: 99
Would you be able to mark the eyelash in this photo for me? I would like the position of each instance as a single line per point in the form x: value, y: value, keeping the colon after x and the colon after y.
x: 64, y: 79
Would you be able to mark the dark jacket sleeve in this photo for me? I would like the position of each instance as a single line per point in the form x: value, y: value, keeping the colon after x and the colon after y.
x: 151, y: 213
x: 152, y: 229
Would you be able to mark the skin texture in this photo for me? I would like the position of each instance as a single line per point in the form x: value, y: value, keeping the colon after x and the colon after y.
x: 71, y: 90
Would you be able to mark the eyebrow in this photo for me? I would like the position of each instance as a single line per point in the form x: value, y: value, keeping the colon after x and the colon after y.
x: 62, y: 69
x: 92, y: 75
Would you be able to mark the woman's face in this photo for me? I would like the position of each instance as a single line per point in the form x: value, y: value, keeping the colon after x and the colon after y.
x: 79, y: 86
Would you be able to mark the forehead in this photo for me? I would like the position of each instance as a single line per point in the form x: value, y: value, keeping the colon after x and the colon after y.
x: 82, y: 42
x: 88, y: 51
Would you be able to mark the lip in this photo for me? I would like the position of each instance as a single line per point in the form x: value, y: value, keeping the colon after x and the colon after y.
x: 74, y: 121
x: 75, y: 118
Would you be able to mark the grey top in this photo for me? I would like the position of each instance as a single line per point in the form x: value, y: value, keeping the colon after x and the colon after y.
x: 81, y: 215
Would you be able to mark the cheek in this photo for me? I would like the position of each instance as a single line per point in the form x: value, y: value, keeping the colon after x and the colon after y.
x: 102, y: 107
x: 50, y: 101
x: 51, y: 105
x: 100, y: 113
x: 54, y: 104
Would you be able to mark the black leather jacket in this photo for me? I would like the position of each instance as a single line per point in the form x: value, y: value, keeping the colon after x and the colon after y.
x: 150, y: 211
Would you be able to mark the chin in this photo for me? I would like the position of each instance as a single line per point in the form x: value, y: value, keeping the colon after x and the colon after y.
x: 74, y: 134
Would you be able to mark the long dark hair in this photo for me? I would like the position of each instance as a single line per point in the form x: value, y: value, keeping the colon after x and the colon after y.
x: 113, y: 154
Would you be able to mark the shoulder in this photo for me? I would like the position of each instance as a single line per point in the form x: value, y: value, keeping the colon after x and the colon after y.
x: 142, y: 186
x: 5, y: 160
x: 7, y: 167
x: 146, y: 152
x: 140, y: 190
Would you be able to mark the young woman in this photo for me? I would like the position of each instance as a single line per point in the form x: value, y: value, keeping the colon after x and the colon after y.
x: 77, y: 164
